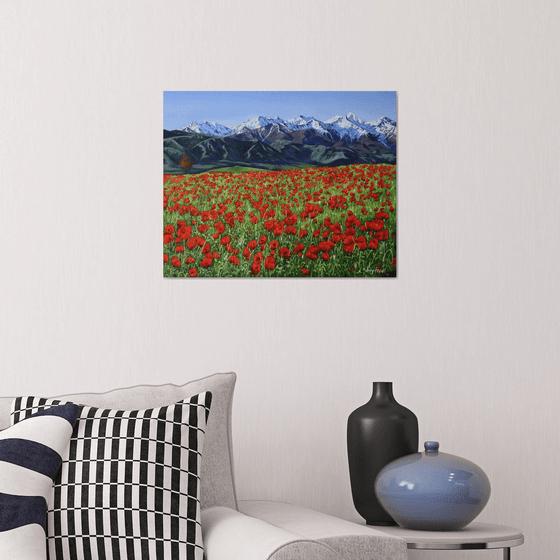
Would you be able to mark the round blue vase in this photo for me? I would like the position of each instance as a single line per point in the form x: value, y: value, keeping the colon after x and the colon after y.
x: 432, y: 491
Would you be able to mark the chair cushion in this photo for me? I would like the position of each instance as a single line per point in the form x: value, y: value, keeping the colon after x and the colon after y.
x: 217, y: 479
x: 129, y: 484
x: 30, y: 457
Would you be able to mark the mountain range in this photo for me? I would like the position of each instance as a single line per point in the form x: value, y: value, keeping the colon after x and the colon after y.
x: 275, y: 143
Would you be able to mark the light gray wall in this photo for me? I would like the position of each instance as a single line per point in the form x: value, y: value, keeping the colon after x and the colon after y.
x: 468, y: 332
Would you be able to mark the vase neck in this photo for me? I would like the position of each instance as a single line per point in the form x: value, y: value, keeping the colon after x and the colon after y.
x: 382, y: 391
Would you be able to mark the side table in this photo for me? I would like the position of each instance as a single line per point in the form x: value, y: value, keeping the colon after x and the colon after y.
x: 475, y: 536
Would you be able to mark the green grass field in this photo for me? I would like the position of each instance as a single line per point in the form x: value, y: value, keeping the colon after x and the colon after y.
x: 315, y: 222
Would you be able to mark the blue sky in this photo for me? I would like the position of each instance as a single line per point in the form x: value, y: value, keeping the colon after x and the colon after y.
x: 231, y: 108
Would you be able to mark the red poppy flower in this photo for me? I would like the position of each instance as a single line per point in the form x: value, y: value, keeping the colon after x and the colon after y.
x: 270, y: 263
x: 179, y: 249
x: 234, y: 260
x: 203, y: 227
x: 274, y: 244
x: 181, y: 223
x: 225, y: 240
x: 192, y: 243
x: 255, y: 269
x: 246, y: 253
x: 285, y: 252
x: 374, y: 225
x: 302, y: 232
x: 262, y: 239
x: 165, y: 257
x: 361, y: 242
x: 299, y: 248
x: 252, y: 244
x: 382, y: 235
x: 206, y: 262
x: 373, y: 243
x: 394, y: 262
x: 305, y: 271
x: 193, y: 272
x: 258, y: 258
x: 169, y: 229
x: 189, y: 260
x: 184, y: 232
x: 168, y: 238
x: 312, y: 253
x: 349, y: 248
x: 175, y: 261
x: 326, y: 256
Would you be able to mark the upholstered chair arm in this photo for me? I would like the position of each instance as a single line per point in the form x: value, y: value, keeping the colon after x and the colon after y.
x: 230, y: 535
x: 351, y: 541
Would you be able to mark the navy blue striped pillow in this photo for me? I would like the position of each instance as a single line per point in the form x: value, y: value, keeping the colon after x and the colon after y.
x: 30, y: 457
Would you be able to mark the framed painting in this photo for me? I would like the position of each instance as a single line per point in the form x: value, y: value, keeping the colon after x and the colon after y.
x: 280, y: 184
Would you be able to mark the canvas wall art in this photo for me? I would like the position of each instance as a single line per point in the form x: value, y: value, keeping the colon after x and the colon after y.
x: 280, y: 184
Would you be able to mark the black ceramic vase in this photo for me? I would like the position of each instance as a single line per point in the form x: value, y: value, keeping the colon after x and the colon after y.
x: 379, y: 432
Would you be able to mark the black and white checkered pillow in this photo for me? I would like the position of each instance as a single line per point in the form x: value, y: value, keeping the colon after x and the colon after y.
x: 129, y: 486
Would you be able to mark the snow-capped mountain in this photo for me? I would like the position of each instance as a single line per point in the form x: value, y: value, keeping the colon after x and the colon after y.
x: 347, y: 128
x: 387, y: 128
x: 306, y: 123
x: 350, y: 127
x: 299, y: 121
x: 256, y: 122
x: 210, y: 128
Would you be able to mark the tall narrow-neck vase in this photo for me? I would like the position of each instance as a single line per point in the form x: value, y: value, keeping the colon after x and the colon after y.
x: 378, y: 432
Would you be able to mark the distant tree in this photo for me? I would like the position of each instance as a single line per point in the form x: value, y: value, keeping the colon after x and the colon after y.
x: 186, y: 162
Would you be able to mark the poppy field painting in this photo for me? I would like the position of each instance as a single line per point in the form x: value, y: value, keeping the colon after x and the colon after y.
x: 280, y: 184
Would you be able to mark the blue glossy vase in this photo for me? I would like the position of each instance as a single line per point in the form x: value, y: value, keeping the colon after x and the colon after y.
x: 432, y: 491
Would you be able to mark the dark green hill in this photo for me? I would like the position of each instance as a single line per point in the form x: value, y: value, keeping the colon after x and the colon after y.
x: 213, y: 152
